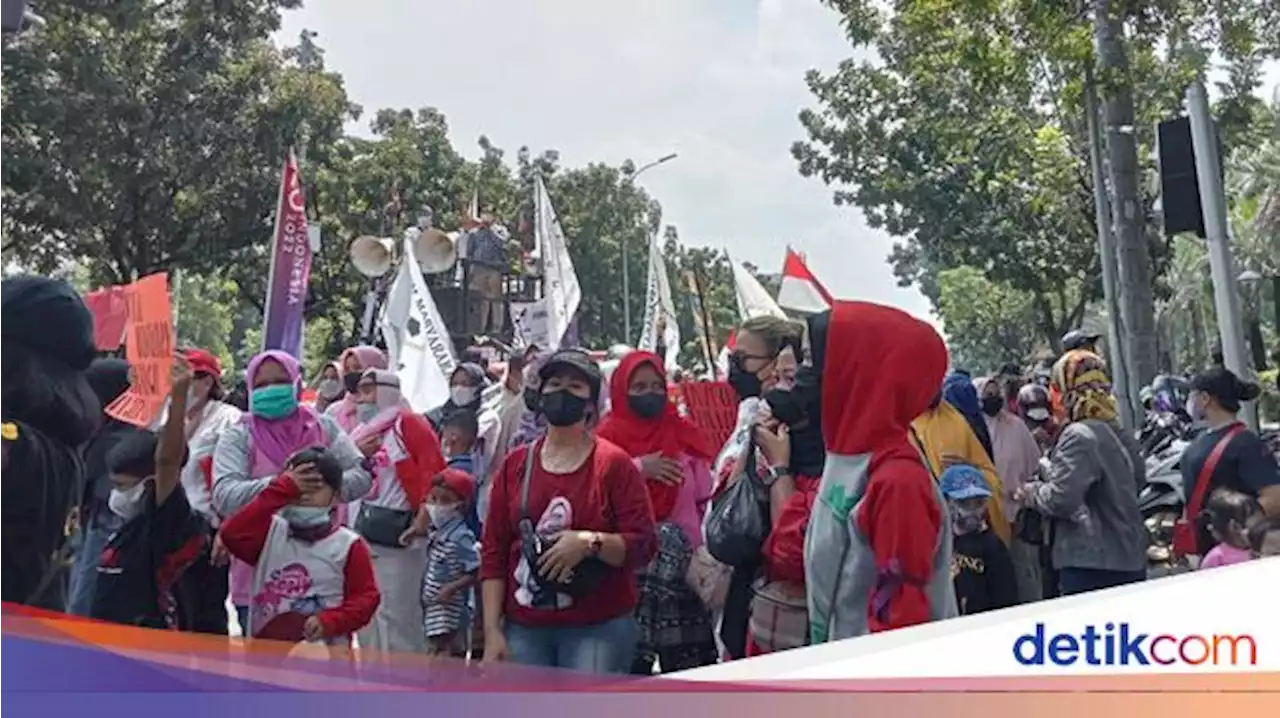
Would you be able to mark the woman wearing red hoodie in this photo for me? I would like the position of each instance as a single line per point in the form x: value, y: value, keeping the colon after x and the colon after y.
x: 405, y: 455
x: 878, y: 547
x: 674, y: 455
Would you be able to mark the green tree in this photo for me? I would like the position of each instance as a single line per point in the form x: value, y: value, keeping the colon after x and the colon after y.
x: 986, y: 322
x: 966, y: 135
x: 149, y: 135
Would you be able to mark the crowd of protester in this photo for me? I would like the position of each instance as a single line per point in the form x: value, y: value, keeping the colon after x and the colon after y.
x: 557, y: 516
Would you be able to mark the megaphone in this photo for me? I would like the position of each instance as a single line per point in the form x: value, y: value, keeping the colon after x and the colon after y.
x: 371, y: 256
x: 436, y: 251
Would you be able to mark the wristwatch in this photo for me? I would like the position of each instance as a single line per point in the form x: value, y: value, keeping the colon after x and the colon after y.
x: 595, y: 543
x: 776, y: 473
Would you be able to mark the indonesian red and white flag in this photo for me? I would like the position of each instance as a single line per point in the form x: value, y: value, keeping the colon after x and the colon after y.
x: 801, y: 292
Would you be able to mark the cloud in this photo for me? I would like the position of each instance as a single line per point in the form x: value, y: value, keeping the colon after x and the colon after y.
x: 718, y: 81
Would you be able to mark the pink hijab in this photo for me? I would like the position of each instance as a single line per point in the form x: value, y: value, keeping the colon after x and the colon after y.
x: 278, y: 439
x: 389, y: 400
x: 370, y: 358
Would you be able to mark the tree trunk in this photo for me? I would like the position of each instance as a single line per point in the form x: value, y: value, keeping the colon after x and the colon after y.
x: 1199, y: 353
x: 1137, y: 301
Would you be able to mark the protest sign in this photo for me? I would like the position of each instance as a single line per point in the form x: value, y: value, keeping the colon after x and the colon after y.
x: 149, y: 349
x: 530, y: 322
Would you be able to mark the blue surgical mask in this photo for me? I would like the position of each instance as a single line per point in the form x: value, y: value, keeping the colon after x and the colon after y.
x: 366, y: 412
x: 274, y: 401
x: 306, y: 517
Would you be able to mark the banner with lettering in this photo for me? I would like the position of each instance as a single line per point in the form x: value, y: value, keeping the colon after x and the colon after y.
x: 149, y: 349
x: 421, y: 347
x: 529, y: 323
x: 290, y: 266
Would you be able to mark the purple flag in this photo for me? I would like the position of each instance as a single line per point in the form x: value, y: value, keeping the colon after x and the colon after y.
x: 290, y: 267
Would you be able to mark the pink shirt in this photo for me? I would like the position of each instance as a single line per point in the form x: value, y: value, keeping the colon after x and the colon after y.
x: 691, y: 502
x: 1225, y: 555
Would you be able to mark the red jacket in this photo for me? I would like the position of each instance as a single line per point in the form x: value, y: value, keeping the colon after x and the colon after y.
x: 245, y: 533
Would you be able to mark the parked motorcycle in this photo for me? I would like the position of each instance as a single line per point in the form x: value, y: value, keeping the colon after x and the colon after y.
x: 1162, y: 500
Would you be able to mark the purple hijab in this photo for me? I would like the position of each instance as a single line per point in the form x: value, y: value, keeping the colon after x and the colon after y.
x: 278, y: 439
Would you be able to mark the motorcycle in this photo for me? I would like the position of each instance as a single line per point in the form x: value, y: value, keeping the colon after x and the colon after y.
x: 1162, y: 500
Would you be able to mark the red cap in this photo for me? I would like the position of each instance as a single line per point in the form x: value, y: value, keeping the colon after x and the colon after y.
x: 202, y: 362
x: 457, y: 481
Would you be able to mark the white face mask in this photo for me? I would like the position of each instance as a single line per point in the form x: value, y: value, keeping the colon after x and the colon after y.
x: 441, y: 514
x: 330, y: 389
x: 306, y: 517
x: 127, y: 503
x: 462, y: 395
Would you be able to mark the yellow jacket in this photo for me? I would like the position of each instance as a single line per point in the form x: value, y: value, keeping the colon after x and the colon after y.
x: 944, y: 431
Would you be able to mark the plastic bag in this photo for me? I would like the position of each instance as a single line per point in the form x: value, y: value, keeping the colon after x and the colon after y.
x: 738, y: 521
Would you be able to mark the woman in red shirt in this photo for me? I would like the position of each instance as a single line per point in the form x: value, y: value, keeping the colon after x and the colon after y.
x: 584, y: 502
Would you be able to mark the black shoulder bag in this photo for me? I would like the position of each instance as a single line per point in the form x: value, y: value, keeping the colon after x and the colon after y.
x: 585, y: 576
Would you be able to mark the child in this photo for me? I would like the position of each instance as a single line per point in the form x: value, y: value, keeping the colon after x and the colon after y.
x: 1227, y: 514
x: 1264, y: 537
x: 161, y: 534
x: 313, y: 579
x: 458, y: 434
x: 980, y: 563
x: 452, y: 563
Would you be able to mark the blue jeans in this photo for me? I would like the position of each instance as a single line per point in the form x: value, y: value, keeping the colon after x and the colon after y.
x: 98, y: 525
x: 1082, y: 580
x: 606, y: 647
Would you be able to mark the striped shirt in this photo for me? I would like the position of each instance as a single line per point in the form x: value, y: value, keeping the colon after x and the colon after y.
x: 451, y: 554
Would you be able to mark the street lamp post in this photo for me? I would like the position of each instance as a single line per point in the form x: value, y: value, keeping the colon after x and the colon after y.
x: 626, y: 279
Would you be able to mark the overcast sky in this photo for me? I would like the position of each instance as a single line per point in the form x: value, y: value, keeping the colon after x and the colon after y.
x: 718, y: 81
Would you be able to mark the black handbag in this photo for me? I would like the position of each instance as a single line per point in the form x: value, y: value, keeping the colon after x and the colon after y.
x: 585, y: 577
x: 382, y: 526
x: 738, y: 522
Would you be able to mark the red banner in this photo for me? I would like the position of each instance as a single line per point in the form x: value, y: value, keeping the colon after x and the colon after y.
x: 110, y: 314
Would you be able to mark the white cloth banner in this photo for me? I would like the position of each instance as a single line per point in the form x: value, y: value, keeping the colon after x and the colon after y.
x: 417, y: 337
x: 561, y: 291
x: 659, y: 309
x: 753, y: 298
x: 529, y: 320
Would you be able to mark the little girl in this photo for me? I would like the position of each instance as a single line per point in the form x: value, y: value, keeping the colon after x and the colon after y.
x: 1227, y: 514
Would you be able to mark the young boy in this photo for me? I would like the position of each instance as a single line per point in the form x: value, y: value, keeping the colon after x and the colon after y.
x: 980, y: 563
x: 161, y: 534
x: 313, y: 578
x: 458, y: 435
x: 452, y: 563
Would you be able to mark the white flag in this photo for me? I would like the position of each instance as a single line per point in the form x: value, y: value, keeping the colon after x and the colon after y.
x: 418, y: 338
x: 659, y: 309
x: 753, y: 298
x: 561, y: 291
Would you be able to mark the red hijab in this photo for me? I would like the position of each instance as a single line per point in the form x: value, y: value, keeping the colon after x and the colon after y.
x: 669, y: 433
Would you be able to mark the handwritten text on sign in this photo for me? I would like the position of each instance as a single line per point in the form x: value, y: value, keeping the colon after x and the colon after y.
x: 149, y: 349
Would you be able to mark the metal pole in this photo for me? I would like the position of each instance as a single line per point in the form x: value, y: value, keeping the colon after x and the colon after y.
x: 626, y: 294
x: 1110, y: 269
x: 626, y: 275
x: 1213, y: 201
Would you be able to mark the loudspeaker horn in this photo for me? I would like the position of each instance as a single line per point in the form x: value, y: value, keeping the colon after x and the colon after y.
x: 436, y: 251
x: 371, y: 256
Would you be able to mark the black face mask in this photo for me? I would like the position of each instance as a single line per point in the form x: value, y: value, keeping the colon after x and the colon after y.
x: 532, y: 399
x: 351, y: 380
x: 991, y: 405
x: 745, y: 383
x: 647, y: 406
x: 563, y: 408
x: 786, y: 406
